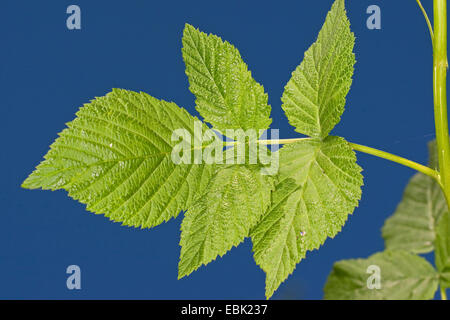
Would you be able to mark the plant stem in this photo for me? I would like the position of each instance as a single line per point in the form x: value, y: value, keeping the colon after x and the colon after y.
x: 388, y: 156
x: 440, y: 65
x: 375, y: 152
x: 427, y: 20
x: 443, y: 294
x: 281, y: 141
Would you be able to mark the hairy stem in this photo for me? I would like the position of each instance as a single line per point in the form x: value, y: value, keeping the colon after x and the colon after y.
x: 440, y: 65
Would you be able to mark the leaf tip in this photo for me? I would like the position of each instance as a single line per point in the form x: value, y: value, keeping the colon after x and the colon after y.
x: 188, y: 27
x: 183, y: 271
x: 28, y: 183
x: 24, y: 185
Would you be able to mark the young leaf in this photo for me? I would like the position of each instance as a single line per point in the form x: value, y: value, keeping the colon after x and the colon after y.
x: 412, y: 226
x: 442, y: 254
x: 235, y: 200
x: 227, y: 95
x: 115, y: 156
x: 402, y: 276
x: 319, y: 184
x: 314, y: 98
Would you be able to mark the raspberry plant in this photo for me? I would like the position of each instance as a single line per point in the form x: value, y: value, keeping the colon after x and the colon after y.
x: 421, y: 222
x: 115, y: 156
x: 419, y: 225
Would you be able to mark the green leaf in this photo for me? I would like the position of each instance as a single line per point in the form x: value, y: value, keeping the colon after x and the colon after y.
x: 115, y: 156
x: 403, y: 276
x: 227, y: 95
x: 319, y: 184
x: 412, y: 226
x: 442, y: 254
x: 314, y: 98
x: 234, y: 202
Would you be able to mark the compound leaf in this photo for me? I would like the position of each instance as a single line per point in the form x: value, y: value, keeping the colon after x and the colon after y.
x: 314, y: 98
x: 236, y: 198
x: 401, y: 276
x: 412, y: 227
x: 442, y: 253
x: 319, y: 185
x: 115, y: 157
x: 226, y: 94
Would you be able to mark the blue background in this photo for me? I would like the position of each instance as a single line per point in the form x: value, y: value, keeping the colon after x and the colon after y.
x: 47, y: 72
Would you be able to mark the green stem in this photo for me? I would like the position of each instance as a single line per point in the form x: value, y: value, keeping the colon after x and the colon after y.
x: 443, y: 294
x: 388, y: 156
x: 281, y: 141
x: 427, y: 20
x: 375, y: 152
x: 440, y: 65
